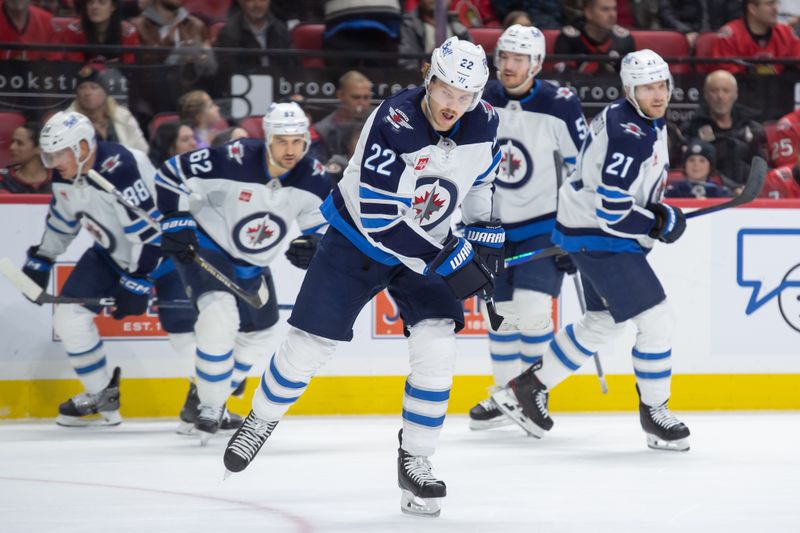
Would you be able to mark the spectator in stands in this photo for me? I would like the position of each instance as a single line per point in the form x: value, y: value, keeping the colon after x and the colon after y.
x: 100, y: 23
x: 782, y: 182
x: 253, y: 26
x: 355, y: 104
x: 111, y: 121
x: 759, y: 35
x: 418, y: 34
x: 24, y: 24
x: 783, y: 149
x: 167, y: 23
x: 596, y: 33
x: 691, y: 17
x: 171, y: 139
x: 198, y: 110
x: 700, y: 179
x: 227, y: 135
x: 475, y: 13
x: 26, y: 174
x: 517, y: 17
x: 732, y: 128
x: 361, y: 25
x: 546, y: 14
x: 639, y: 14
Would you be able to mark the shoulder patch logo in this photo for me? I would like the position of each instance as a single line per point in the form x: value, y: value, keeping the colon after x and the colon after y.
x: 488, y: 108
x: 235, y: 151
x: 564, y: 92
x: 110, y: 164
x: 319, y: 168
x: 245, y: 195
x: 421, y: 163
x: 633, y: 129
x: 397, y: 119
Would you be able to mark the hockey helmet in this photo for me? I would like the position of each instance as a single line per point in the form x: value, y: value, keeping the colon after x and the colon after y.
x: 462, y: 65
x: 640, y: 68
x: 286, y: 119
x: 525, y: 40
x: 64, y: 131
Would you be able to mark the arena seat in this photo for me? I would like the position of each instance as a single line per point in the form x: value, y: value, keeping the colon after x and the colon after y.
x: 703, y: 47
x: 309, y: 37
x: 9, y: 121
x: 215, y: 10
x: 252, y: 125
x: 666, y: 44
x: 486, y: 37
x: 213, y: 30
x: 159, y: 119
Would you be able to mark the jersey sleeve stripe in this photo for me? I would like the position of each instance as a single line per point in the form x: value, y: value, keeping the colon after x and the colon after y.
x: 492, y: 166
x: 371, y: 194
x: 62, y: 232
x: 608, y: 216
x: 614, y: 194
x: 135, y: 227
x: 377, y: 222
x: 313, y: 229
x: 390, y: 209
x: 62, y: 218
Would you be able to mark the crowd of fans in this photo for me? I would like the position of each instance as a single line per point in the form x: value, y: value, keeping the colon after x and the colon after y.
x: 714, y: 147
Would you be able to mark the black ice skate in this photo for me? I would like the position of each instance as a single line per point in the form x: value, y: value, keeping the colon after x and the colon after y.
x: 486, y: 415
x: 191, y: 409
x: 421, y: 491
x: 101, y: 409
x: 524, y: 400
x: 245, y: 443
x: 663, y: 430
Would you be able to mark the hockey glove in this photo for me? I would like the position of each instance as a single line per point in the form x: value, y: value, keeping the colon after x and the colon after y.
x: 302, y: 249
x: 670, y: 222
x: 462, y: 270
x: 38, y: 267
x: 131, y: 297
x: 488, y: 239
x: 565, y: 264
x: 179, y: 236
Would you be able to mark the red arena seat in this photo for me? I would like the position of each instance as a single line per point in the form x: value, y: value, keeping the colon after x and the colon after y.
x: 160, y: 119
x: 666, y: 44
x: 309, y: 37
x: 703, y: 47
x: 486, y: 37
x: 213, y: 30
x: 253, y: 126
x: 9, y: 121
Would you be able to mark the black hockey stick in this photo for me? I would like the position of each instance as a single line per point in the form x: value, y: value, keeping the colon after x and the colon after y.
x: 256, y: 300
x: 33, y: 292
x: 752, y: 188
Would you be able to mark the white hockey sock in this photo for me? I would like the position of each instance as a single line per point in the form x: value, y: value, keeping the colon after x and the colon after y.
x: 250, y: 347
x: 564, y: 355
x: 535, y: 311
x: 75, y: 326
x: 215, y: 332
x: 504, y: 347
x: 533, y: 345
x: 653, y: 372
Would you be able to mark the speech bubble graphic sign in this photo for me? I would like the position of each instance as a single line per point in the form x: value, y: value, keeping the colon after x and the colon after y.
x: 759, y: 269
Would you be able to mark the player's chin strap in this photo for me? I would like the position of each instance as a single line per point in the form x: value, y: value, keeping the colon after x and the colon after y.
x: 255, y: 300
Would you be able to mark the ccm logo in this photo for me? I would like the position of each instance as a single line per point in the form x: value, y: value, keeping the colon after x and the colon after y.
x: 461, y: 256
x: 134, y: 286
x: 178, y: 223
x: 482, y: 236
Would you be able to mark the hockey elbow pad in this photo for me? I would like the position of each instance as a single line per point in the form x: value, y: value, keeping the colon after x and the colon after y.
x: 488, y: 240
x: 670, y: 222
x: 462, y: 269
x: 179, y: 236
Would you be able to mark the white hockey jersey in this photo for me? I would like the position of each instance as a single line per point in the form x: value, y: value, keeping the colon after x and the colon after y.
x: 229, y: 193
x: 621, y: 169
x: 531, y: 129
x: 131, y: 243
x: 399, y: 191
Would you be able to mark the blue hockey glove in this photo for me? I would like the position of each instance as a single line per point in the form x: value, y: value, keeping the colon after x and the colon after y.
x: 670, y: 222
x: 131, y: 296
x: 179, y: 236
x: 462, y: 269
x: 565, y: 264
x: 488, y: 239
x: 38, y: 267
x: 302, y: 249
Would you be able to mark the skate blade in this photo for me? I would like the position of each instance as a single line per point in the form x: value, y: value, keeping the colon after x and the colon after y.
x: 186, y: 429
x: 507, y: 402
x: 496, y: 422
x: 204, y: 437
x: 679, y: 445
x: 425, y: 507
x: 106, y: 418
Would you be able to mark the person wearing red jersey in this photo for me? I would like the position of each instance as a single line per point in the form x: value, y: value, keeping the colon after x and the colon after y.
x: 100, y: 23
x: 757, y: 34
x: 22, y: 23
x: 782, y: 182
x: 783, y: 140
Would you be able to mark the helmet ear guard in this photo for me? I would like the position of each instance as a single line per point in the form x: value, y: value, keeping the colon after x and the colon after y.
x: 66, y: 130
x: 285, y: 119
x: 641, y: 68
x: 525, y: 40
x: 460, y: 64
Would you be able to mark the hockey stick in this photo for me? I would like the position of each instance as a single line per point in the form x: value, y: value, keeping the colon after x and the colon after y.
x: 752, y: 188
x: 255, y: 300
x: 33, y: 292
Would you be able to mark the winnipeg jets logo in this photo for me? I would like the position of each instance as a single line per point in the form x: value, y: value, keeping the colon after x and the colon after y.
x: 564, y: 92
x: 258, y: 232
x: 516, y: 165
x: 397, y: 119
x: 110, y: 164
x: 319, y: 168
x: 488, y: 108
x: 633, y: 129
x: 434, y: 200
x: 71, y: 121
x: 235, y: 152
x: 426, y: 204
x: 98, y: 232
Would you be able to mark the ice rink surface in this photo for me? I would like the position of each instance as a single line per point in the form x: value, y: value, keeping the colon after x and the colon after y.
x: 592, y: 473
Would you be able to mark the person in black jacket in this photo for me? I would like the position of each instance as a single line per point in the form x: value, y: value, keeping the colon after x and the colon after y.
x: 253, y: 26
x: 545, y: 14
x: 417, y: 35
x: 691, y: 17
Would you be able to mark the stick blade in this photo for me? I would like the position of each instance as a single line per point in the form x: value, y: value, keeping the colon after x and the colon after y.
x: 26, y: 285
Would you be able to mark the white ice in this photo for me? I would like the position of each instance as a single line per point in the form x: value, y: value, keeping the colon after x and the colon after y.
x: 592, y: 473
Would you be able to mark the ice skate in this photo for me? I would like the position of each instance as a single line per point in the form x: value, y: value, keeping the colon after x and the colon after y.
x: 190, y: 410
x: 208, y: 422
x: 101, y: 409
x: 663, y: 430
x: 421, y: 491
x: 245, y: 443
x: 486, y: 415
x: 524, y: 400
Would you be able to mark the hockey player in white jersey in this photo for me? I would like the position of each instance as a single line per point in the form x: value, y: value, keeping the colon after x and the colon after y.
x: 421, y: 153
x: 610, y: 214
x: 124, y: 253
x: 536, y: 120
x: 234, y: 205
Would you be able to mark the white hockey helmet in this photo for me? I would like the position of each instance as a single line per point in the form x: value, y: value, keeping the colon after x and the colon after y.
x: 640, y: 68
x: 526, y: 40
x: 286, y: 119
x: 64, y: 131
x: 462, y: 65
